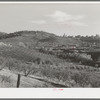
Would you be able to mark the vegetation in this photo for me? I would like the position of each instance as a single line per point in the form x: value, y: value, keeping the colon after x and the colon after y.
x: 61, y: 59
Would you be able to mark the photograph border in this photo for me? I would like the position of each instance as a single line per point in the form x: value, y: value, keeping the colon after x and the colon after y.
x: 63, y: 94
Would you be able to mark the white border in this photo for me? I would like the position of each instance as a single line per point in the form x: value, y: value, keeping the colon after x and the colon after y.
x: 50, y: 2
x: 50, y: 92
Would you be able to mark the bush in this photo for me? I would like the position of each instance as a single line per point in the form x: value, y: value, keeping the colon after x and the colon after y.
x: 95, y: 83
x: 55, y: 73
x: 81, y: 79
x: 5, y: 79
x: 2, y: 60
x: 11, y: 63
x: 37, y: 60
x: 45, y: 70
x: 48, y: 62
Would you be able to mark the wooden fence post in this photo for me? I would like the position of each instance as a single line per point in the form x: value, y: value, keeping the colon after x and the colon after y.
x: 18, y: 80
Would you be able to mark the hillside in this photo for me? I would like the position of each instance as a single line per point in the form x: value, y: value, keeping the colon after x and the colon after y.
x: 2, y: 33
x: 22, y: 45
x: 46, y: 60
x: 37, y: 39
x: 27, y: 55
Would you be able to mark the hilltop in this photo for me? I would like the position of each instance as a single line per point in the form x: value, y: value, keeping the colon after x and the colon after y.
x: 37, y: 39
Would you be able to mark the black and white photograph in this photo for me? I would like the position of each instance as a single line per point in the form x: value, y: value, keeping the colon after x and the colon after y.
x: 50, y: 45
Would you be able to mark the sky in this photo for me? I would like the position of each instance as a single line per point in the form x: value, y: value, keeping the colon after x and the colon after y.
x: 63, y: 18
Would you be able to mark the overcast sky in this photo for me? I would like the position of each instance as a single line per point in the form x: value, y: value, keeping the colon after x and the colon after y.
x: 71, y: 19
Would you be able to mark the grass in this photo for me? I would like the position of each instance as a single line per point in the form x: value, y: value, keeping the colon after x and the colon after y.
x: 32, y: 62
x: 71, y: 75
x: 27, y: 55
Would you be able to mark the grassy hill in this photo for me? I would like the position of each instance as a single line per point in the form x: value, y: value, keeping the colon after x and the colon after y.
x: 27, y: 55
x: 21, y: 57
x: 37, y: 38
x: 23, y: 42
x: 2, y: 33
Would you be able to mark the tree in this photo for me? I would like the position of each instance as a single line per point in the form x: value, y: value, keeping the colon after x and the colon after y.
x: 95, y: 56
x: 64, y: 35
x: 78, y: 36
x: 11, y: 64
x: 28, y: 68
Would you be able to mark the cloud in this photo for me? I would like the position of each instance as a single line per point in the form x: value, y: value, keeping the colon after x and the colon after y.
x: 65, y: 18
x: 39, y: 22
x: 60, y: 16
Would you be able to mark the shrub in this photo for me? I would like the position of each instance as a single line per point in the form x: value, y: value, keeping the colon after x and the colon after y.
x: 55, y: 72
x: 37, y: 60
x: 45, y: 70
x: 81, y: 79
x: 5, y: 79
x: 2, y: 60
x: 48, y: 62
x: 12, y: 64
x: 95, y: 83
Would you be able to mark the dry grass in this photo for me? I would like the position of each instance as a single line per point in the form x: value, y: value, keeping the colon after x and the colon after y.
x: 35, y: 63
